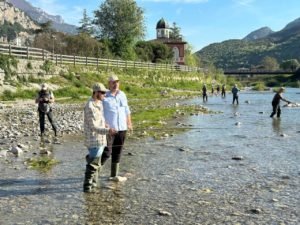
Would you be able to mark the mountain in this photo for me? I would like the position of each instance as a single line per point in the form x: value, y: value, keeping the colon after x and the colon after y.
x: 258, y: 34
x: 15, y: 26
x: 248, y: 52
x: 41, y: 16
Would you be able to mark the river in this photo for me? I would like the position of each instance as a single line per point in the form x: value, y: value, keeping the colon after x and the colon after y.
x: 235, y: 167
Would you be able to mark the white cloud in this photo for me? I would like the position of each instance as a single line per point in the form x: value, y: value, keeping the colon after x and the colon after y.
x: 244, y: 2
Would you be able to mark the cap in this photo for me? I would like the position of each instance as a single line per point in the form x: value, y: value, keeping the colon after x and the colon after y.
x: 113, y: 77
x: 44, y: 86
x: 99, y: 87
x: 281, y: 89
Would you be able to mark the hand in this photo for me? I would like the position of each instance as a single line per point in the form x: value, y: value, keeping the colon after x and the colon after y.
x: 130, y: 129
x: 112, y: 131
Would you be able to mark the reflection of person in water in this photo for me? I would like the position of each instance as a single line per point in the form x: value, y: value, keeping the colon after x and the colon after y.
x: 276, y: 126
x: 104, y: 206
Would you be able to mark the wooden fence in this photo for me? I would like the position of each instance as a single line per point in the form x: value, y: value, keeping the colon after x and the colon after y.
x: 41, y: 54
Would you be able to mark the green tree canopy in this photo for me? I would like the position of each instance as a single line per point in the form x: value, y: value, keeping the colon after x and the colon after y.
x: 86, y: 24
x: 175, y: 32
x: 291, y: 64
x: 269, y: 63
x: 155, y: 52
x: 122, y: 23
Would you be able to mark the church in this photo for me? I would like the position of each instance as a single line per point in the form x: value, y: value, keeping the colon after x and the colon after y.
x: 177, y: 45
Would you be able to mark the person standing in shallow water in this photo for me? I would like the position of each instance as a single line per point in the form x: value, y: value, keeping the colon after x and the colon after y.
x: 276, y: 102
x: 118, y: 116
x: 223, y: 93
x: 204, y: 93
x: 44, y: 100
x: 95, y: 132
x: 235, y: 93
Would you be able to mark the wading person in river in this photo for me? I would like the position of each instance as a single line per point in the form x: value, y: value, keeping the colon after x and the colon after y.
x: 95, y: 132
x: 204, y: 93
x: 118, y: 116
x: 223, y: 93
x: 235, y: 93
x: 276, y: 102
x: 44, y: 100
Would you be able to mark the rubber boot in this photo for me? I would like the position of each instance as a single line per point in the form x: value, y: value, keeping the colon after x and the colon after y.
x: 91, y: 174
x: 114, y: 169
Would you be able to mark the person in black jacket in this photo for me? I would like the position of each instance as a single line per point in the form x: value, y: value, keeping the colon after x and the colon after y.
x: 276, y: 102
x: 44, y: 100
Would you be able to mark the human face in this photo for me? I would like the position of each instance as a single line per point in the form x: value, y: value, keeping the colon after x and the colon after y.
x: 100, y: 95
x: 114, y: 85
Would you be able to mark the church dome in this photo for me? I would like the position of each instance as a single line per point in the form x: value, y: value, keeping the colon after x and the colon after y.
x: 162, y: 24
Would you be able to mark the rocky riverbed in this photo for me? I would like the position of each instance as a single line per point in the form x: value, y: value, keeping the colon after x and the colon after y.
x: 238, y: 167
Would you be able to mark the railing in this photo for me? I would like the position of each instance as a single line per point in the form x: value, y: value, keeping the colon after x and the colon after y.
x: 258, y: 72
x: 41, y: 54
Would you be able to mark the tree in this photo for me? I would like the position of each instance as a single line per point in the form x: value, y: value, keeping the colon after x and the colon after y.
x: 291, y: 64
x: 122, y: 23
x: 175, y: 32
x: 269, y: 63
x: 191, y: 59
x: 153, y: 52
x: 86, y: 24
x: 45, y: 28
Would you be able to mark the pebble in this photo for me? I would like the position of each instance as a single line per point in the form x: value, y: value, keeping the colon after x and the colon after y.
x: 238, y: 123
x: 237, y: 158
x: 283, y: 135
x: 16, y: 150
x: 255, y: 211
x: 164, y: 213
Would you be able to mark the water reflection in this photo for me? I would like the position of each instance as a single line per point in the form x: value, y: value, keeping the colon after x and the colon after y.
x: 276, y: 124
x: 104, y: 206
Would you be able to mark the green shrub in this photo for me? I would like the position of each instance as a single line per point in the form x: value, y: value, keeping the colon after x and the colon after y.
x: 260, y: 86
x: 7, y: 95
x: 29, y: 66
x: 47, y: 66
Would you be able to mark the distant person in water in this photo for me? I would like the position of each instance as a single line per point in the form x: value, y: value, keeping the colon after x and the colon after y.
x: 223, y: 93
x: 235, y: 93
x: 218, y: 89
x: 276, y: 102
x: 204, y: 93
x: 212, y: 90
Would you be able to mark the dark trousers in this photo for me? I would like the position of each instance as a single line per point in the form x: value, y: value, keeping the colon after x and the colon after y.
x: 235, y: 98
x: 276, y: 110
x: 223, y: 94
x: 51, y: 120
x: 114, y: 147
x: 205, y: 97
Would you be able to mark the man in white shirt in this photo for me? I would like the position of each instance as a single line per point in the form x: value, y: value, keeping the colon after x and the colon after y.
x: 118, y: 116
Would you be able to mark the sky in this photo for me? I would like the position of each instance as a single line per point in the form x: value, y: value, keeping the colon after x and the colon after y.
x: 202, y: 22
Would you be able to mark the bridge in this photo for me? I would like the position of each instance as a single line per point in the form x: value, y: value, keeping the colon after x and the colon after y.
x: 257, y: 72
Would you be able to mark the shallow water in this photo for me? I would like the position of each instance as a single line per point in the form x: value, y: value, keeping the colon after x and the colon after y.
x: 201, y: 185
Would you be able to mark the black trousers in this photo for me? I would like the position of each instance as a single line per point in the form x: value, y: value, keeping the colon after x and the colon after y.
x: 205, y: 97
x: 276, y: 110
x: 114, y: 147
x: 235, y: 98
x: 223, y: 94
x: 51, y: 120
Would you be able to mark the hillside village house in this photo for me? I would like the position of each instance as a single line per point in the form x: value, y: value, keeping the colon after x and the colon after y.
x: 177, y: 45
